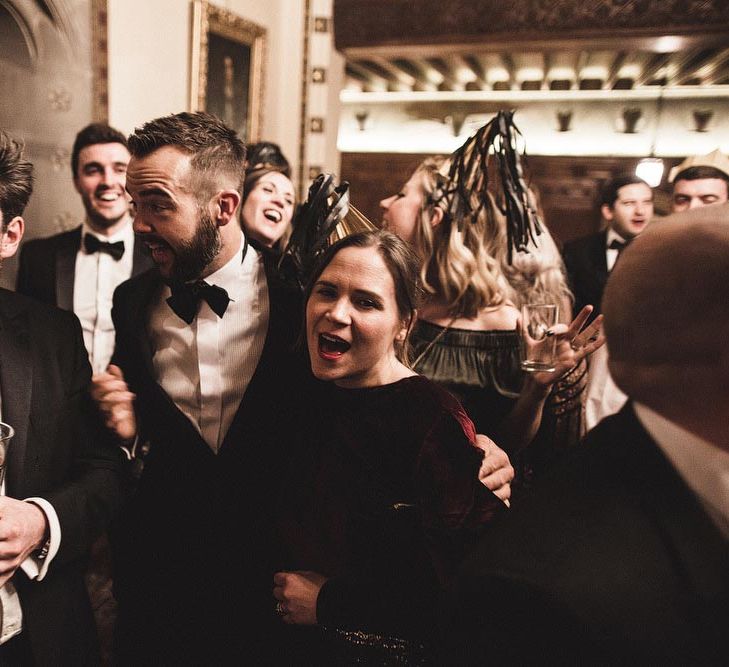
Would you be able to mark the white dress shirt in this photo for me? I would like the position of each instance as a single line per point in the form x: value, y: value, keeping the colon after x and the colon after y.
x: 611, y: 254
x: 602, y: 396
x: 703, y: 466
x: 205, y: 367
x: 96, y: 276
x: 11, y: 613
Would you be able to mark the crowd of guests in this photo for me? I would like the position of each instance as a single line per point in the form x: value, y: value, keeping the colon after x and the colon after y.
x: 324, y: 476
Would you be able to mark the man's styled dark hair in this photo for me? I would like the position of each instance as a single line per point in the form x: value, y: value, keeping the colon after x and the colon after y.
x: 698, y: 173
x: 16, y: 178
x: 215, y: 148
x: 96, y: 133
x: 609, y: 193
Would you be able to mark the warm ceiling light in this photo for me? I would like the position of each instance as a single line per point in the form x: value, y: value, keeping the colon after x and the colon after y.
x: 650, y: 169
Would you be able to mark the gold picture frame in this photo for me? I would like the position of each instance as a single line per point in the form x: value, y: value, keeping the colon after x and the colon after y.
x: 227, y: 68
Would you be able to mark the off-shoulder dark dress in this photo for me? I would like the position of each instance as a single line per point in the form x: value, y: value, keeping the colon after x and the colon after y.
x: 383, y: 498
x: 482, y: 368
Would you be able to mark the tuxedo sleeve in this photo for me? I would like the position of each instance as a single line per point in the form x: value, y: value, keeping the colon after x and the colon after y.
x: 91, y: 492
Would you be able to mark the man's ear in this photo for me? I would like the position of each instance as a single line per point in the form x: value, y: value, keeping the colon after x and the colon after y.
x: 226, y: 205
x: 436, y: 217
x: 11, y: 237
x: 607, y: 212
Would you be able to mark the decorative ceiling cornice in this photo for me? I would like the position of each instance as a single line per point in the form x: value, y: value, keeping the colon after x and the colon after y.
x: 381, y: 23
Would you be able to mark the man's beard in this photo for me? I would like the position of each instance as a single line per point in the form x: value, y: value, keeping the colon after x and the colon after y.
x: 192, y: 257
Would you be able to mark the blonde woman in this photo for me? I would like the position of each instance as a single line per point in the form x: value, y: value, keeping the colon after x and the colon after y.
x: 466, y: 336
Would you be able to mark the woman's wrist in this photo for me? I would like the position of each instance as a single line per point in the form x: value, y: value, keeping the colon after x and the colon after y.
x: 535, y: 390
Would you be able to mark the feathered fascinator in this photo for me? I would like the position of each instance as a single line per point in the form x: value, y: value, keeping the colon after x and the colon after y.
x: 269, y: 155
x: 323, y: 219
x: 485, y: 172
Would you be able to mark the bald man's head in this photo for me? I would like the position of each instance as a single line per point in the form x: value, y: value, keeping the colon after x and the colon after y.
x: 666, y: 309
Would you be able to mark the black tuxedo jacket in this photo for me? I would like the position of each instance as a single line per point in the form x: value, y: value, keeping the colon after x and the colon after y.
x: 60, y: 452
x: 613, y: 561
x: 46, y: 267
x: 195, y: 552
x: 587, y: 270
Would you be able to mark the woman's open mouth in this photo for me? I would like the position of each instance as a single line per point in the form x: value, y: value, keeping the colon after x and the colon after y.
x: 331, y: 346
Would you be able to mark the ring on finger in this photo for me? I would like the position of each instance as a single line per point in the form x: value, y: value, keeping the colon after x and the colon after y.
x: 280, y: 609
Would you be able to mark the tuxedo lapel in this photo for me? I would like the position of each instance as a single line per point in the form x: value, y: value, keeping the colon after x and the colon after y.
x: 139, y: 319
x: 283, y: 323
x: 16, y: 382
x: 66, y: 268
x: 598, y: 256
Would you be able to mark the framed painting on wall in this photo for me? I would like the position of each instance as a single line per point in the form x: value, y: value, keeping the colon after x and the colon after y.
x: 227, y: 68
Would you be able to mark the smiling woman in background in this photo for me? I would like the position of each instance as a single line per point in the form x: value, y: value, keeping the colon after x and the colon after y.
x: 267, y: 208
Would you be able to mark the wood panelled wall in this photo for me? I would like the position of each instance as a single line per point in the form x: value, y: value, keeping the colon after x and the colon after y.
x: 568, y: 186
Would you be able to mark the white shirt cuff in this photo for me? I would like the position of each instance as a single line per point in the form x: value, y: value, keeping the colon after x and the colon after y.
x: 32, y: 566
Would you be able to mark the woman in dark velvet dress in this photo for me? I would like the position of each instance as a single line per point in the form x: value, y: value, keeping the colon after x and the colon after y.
x: 383, y: 497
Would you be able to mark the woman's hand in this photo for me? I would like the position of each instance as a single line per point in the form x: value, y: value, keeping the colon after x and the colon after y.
x: 296, y: 594
x: 496, y: 472
x: 573, y: 344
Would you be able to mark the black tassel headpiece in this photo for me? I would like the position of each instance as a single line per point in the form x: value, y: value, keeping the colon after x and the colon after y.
x: 487, y: 170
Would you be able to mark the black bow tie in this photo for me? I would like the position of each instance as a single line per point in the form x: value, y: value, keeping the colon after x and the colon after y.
x: 186, y: 297
x: 618, y: 245
x: 92, y: 245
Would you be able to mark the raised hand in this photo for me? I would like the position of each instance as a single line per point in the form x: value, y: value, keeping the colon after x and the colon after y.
x: 573, y: 344
x: 116, y: 402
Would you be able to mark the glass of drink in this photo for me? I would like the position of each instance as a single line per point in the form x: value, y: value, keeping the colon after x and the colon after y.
x: 6, y: 433
x: 538, y: 341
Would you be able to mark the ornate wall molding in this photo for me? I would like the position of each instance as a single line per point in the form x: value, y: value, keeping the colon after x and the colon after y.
x: 318, y: 44
x: 100, y: 60
x: 371, y: 23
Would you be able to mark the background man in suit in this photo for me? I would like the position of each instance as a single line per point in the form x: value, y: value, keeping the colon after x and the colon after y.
x: 626, y: 203
x: 700, y: 180
x: 59, y: 460
x: 623, y: 558
x: 80, y: 269
x: 627, y: 206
